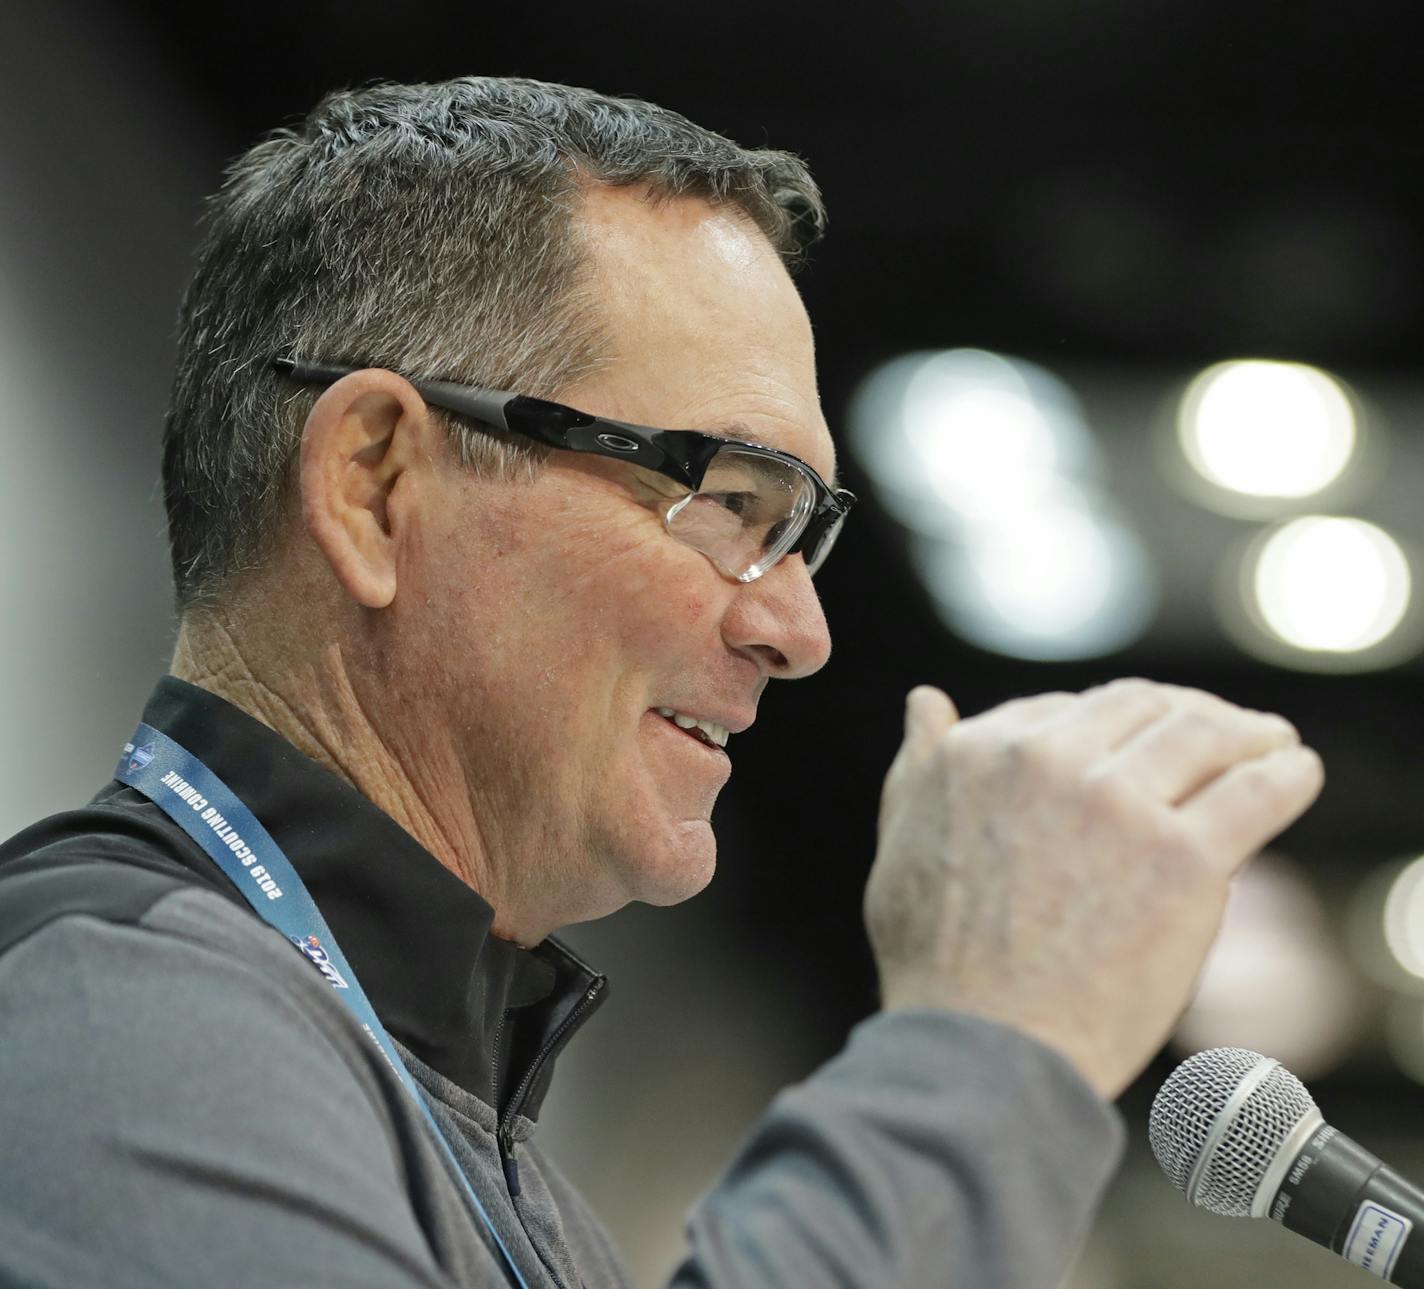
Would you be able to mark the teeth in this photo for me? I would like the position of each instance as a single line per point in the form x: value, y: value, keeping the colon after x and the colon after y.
x: 716, y: 733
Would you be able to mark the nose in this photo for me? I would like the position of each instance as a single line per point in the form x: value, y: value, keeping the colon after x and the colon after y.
x: 778, y: 622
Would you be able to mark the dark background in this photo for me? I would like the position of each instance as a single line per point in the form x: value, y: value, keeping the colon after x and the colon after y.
x: 1135, y: 188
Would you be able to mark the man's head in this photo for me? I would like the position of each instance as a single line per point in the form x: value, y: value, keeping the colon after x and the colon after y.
x: 512, y: 634
x: 429, y: 229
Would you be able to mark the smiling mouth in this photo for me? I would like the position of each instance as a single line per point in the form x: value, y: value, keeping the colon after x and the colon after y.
x: 693, y: 732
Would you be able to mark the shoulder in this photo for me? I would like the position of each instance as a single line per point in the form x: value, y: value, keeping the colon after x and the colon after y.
x: 97, y: 909
x: 112, y: 860
x: 162, y: 1043
x: 111, y: 934
x: 119, y: 854
x: 96, y: 953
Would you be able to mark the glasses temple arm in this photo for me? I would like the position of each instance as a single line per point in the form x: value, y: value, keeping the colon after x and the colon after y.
x: 485, y: 406
x: 679, y: 455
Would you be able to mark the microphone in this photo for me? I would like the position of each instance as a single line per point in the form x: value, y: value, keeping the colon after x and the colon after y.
x: 1238, y: 1134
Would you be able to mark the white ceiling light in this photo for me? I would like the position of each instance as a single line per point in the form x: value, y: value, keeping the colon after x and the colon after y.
x: 1385, y: 925
x: 1064, y: 580
x: 1404, y: 920
x: 995, y: 434
x: 1325, y: 584
x: 1267, y: 429
x: 963, y: 435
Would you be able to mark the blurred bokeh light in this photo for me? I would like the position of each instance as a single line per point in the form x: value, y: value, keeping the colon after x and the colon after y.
x: 1331, y: 590
x: 1066, y: 579
x: 991, y: 465
x: 1403, y: 921
x: 1276, y: 977
x: 1267, y: 429
x: 965, y: 436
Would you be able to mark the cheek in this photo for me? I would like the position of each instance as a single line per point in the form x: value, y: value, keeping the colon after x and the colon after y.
x: 660, y: 611
x: 566, y: 612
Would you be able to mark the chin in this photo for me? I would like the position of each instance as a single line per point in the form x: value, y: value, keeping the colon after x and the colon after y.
x: 676, y: 871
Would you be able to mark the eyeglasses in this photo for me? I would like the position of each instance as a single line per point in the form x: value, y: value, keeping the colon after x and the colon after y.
x: 747, y: 506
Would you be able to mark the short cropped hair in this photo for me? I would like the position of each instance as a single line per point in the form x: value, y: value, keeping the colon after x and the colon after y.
x: 428, y: 229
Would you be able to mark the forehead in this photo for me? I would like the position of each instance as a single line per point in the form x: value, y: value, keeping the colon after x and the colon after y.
x: 705, y: 329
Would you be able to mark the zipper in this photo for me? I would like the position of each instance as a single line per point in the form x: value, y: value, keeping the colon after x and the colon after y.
x: 505, y: 1132
x: 502, y: 1133
x: 507, y: 1160
x: 494, y: 1057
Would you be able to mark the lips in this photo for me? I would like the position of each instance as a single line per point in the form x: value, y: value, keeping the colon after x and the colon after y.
x: 716, y: 733
x: 694, y: 732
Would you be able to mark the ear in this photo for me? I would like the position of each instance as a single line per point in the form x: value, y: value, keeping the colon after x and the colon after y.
x: 366, y: 433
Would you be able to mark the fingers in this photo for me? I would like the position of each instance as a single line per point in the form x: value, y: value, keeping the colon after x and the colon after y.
x: 929, y: 716
x: 929, y: 713
x: 1101, y: 719
x: 1241, y: 810
x: 1021, y: 716
x: 1176, y: 755
x: 1168, y: 742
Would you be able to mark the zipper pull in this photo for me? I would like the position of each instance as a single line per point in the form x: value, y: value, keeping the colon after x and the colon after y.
x: 506, y: 1158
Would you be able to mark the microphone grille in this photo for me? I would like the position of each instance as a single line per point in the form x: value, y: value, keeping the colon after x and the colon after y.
x: 1199, y: 1110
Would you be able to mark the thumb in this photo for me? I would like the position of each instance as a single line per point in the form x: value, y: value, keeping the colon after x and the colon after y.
x: 929, y: 714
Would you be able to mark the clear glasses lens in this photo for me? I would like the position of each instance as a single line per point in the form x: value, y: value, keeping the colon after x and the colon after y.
x: 816, y: 554
x: 748, y: 514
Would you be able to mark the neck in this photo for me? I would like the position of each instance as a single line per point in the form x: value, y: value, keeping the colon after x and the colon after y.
x: 315, y: 705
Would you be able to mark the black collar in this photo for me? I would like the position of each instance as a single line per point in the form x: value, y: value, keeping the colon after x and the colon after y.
x: 485, y: 1013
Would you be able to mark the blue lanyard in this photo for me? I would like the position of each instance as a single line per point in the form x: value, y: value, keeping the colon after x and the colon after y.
x: 204, y: 807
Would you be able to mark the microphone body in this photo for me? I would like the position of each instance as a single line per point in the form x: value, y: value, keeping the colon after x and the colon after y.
x: 1338, y: 1194
x: 1239, y: 1135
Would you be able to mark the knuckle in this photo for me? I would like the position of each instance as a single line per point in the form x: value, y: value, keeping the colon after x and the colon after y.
x: 1200, y: 702
x: 1111, y: 797
x: 1279, y: 726
x: 1181, y: 859
x: 1036, y: 757
x: 1150, y: 697
x: 1199, y: 727
x: 973, y: 740
x: 1178, y: 841
x: 1260, y: 773
x: 1132, y: 685
x: 1204, y: 700
x: 1030, y: 704
x: 1281, y: 781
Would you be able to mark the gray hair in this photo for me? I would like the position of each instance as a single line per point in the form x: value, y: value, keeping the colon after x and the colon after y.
x: 428, y: 229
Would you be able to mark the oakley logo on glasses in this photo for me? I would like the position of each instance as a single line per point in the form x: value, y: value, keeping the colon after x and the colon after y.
x: 617, y: 442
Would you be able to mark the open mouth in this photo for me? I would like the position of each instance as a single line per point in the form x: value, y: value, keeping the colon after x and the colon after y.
x: 692, y: 731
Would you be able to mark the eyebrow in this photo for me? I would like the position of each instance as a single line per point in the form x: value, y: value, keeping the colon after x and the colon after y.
x: 739, y: 430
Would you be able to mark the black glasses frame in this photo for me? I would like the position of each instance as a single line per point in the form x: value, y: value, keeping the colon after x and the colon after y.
x: 680, y: 455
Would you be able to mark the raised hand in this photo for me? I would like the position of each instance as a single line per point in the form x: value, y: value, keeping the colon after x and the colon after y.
x: 1061, y: 863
